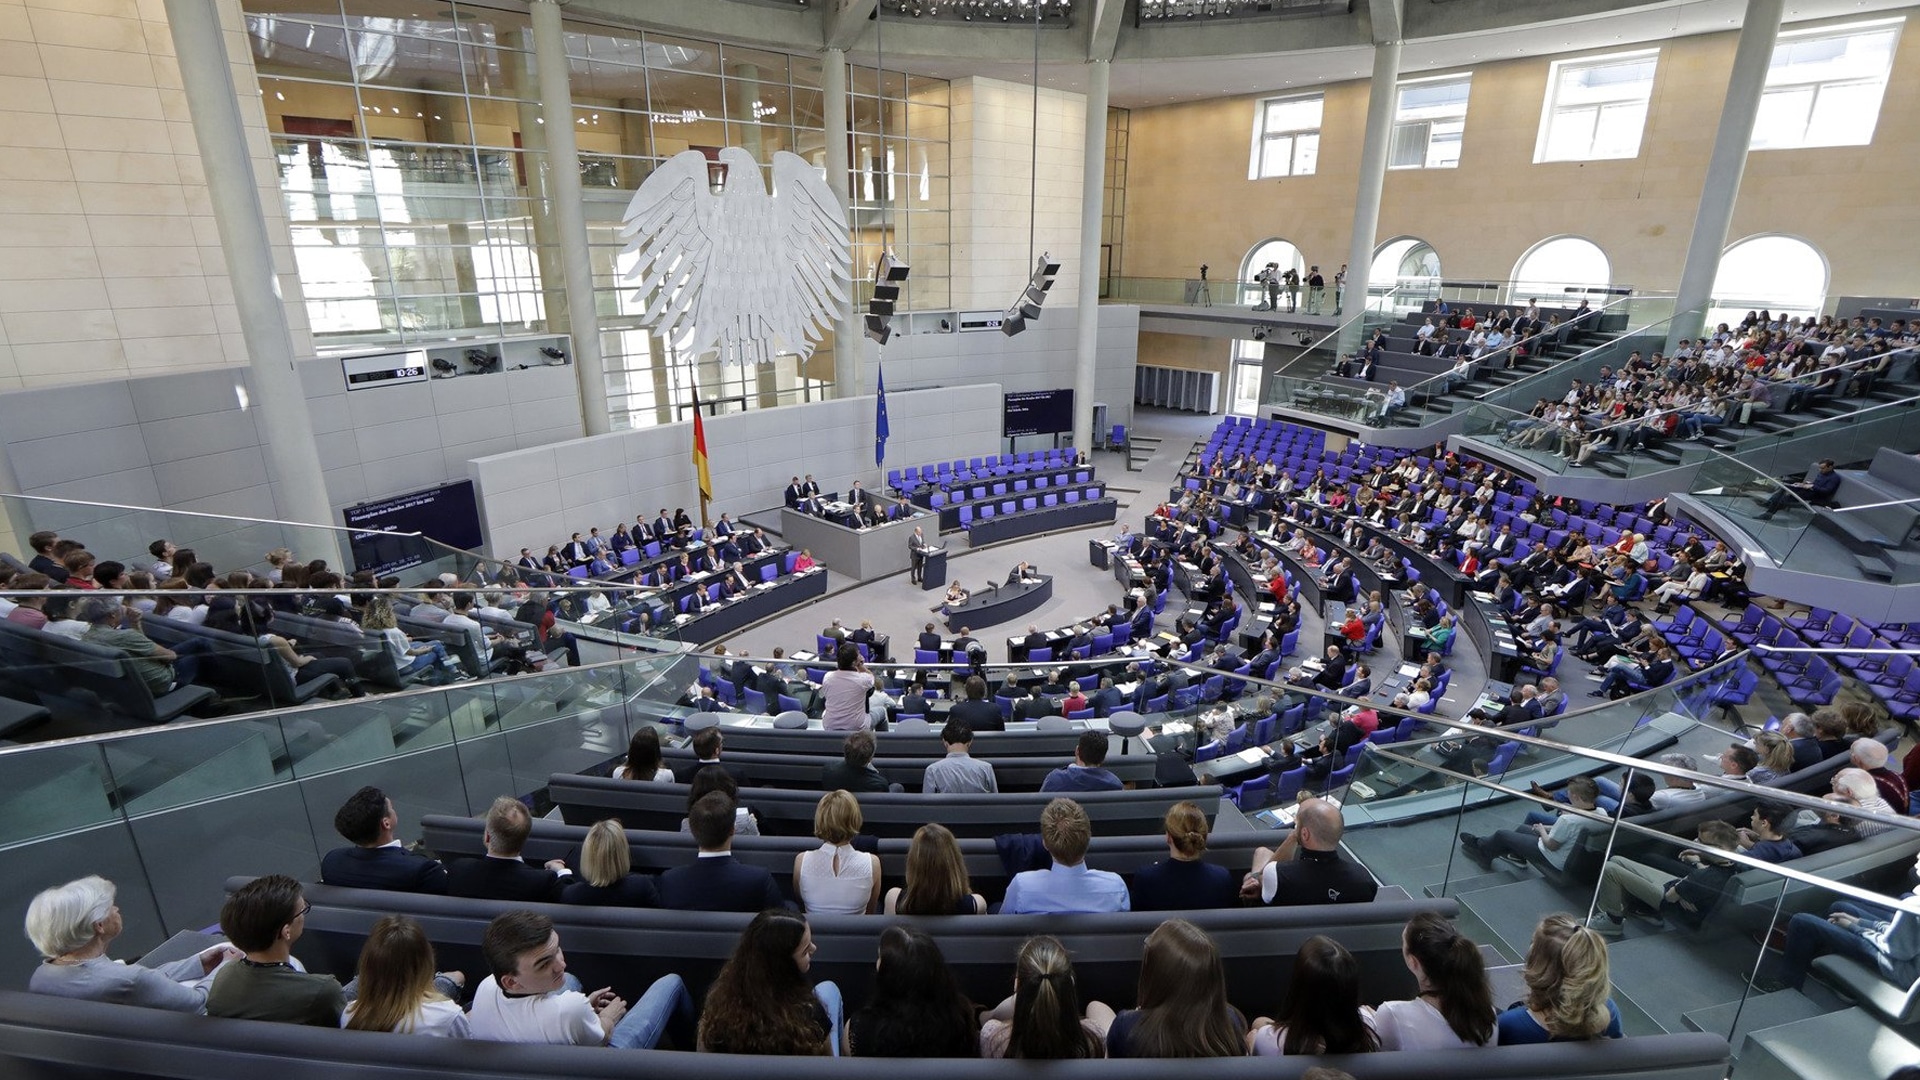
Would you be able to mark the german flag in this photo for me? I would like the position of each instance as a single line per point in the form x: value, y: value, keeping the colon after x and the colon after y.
x: 700, y: 452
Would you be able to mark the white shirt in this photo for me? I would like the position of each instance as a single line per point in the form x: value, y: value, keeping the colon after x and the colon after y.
x: 440, y: 1018
x: 475, y: 633
x: 1418, y: 1025
x: 828, y: 890
x: 1672, y: 796
x: 562, y: 1018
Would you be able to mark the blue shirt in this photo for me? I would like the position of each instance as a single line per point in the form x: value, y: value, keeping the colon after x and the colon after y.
x: 1081, y: 778
x: 1517, y: 1026
x: 1065, y: 889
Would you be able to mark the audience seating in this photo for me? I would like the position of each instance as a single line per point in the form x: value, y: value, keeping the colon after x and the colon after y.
x: 586, y: 799
x: 453, y: 837
x: 45, y: 1036
x: 802, y: 771
x: 62, y: 668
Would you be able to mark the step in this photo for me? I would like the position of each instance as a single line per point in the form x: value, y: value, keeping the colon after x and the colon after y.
x: 1847, y: 1045
x: 1738, y: 1018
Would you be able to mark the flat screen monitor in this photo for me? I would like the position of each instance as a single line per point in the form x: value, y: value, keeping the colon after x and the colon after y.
x: 448, y: 513
x: 1038, y: 412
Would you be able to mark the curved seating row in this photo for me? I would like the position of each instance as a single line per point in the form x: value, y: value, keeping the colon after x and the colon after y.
x: 802, y: 771
x: 627, y: 948
x: 651, y: 851
x: 44, y: 1036
x: 993, y: 745
x: 584, y: 800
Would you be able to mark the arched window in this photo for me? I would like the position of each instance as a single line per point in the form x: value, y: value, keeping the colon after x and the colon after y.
x: 1272, y: 251
x: 1783, y: 274
x: 1551, y: 266
x: 1405, y: 260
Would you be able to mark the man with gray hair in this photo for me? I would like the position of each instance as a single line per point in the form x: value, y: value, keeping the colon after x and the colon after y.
x: 1798, y: 728
x: 1870, y: 755
x: 1679, y: 790
x: 161, y: 668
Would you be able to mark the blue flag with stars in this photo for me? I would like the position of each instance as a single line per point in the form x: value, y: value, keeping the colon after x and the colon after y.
x: 880, y: 431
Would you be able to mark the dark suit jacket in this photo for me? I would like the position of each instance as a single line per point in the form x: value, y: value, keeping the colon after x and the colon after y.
x: 1104, y: 701
x: 719, y: 884
x: 391, y: 868
x: 1033, y: 708
x: 838, y: 776
x: 488, y: 878
x: 1172, y: 885
x: 978, y: 715
x: 683, y: 773
x: 930, y: 642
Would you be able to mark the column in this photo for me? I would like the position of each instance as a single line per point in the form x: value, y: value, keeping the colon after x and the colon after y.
x: 849, y: 343
x: 206, y: 72
x: 569, y: 212
x: 1373, y: 177
x: 1751, y: 58
x: 1093, y: 189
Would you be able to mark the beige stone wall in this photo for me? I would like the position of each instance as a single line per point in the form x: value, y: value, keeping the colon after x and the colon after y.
x: 110, y: 263
x: 1189, y: 201
x: 1185, y: 351
x: 993, y: 151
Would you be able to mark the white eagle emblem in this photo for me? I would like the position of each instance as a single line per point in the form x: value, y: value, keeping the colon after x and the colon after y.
x: 748, y: 274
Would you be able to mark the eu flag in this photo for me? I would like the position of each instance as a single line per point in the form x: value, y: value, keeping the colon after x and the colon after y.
x: 880, y: 431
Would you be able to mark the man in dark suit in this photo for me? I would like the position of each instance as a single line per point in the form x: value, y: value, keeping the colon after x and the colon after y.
x: 1333, y: 672
x: 1034, y: 706
x: 796, y: 493
x: 663, y: 528
x: 706, y: 753
x: 526, y: 561
x: 502, y: 874
x: 917, y: 547
x: 742, y: 674
x: 915, y: 701
x: 1034, y: 639
x: 1021, y: 573
x: 977, y: 713
x: 854, y: 771
x: 376, y: 860
x: 716, y: 881
x: 752, y: 543
x: 929, y: 639
x: 1361, y: 685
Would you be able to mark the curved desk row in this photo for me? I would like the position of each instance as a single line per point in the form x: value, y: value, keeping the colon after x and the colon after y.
x: 999, y: 603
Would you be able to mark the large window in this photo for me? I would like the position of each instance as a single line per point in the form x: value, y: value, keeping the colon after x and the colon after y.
x: 1782, y: 275
x: 1428, y: 121
x: 1596, y: 108
x: 1824, y: 87
x: 1286, y: 137
x: 1553, y: 267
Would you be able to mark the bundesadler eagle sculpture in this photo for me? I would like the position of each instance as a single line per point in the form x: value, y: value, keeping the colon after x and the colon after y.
x: 749, y: 274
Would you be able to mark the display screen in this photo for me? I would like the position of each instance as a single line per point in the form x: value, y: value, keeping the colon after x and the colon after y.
x: 449, y: 514
x: 1038, y: 412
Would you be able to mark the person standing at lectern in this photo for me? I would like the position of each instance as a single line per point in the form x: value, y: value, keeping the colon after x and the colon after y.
x: 917, y: 555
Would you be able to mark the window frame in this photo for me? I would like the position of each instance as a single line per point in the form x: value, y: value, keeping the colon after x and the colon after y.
x: 1790, y: 38
x: 1399, y: 121
x: 1551, y: 110
x: 1256, y: 164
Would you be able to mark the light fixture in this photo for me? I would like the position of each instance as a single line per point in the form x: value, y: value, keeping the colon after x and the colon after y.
x: 888, y: 274
x: 1027, y: 308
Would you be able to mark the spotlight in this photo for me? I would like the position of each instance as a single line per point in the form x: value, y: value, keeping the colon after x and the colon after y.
x: 1027, y: 308
x: 1259, y: 333
x: 447, y: 368
x: 553, y: 355
x: 483, y: 361
x: 888, y: 273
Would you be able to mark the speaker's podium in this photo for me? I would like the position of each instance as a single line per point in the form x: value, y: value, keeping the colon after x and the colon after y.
x: 933, y: 572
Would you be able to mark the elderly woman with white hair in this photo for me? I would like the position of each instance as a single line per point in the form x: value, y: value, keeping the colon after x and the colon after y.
x: 73, y: 924
x: 1855, y: 788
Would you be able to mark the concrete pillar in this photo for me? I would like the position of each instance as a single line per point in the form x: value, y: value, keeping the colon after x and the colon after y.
x: 569, y: 213
x: 1381, y: 101
x: 199, y: 41
x: 1751, y: 58
x: 1093, y: 188
x: 523, y: 84
x: 849, y: 343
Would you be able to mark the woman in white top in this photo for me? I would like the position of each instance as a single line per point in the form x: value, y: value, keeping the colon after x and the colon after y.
x: 1455, y: 1006
x: 834, y: 879
x: 409, y: 656
x: 399, y: 990
x: 643, y: 758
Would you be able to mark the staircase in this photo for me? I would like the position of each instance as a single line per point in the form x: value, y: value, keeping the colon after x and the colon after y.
x: 1491, y: 378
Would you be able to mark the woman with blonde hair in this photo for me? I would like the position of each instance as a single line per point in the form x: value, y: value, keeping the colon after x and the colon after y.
x: 606, y: 872
x: 1568, y: 988
x: 834, y: 879
x: 1043, y: 1019
x: 1182, y: 881
x: 1776, y: 757
x: 937, y: 882
x: 399, y: 990
x: 1183, y: 1010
